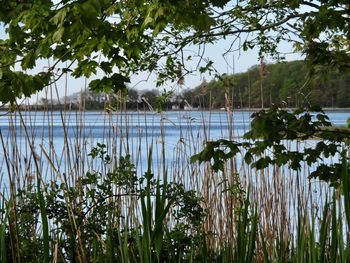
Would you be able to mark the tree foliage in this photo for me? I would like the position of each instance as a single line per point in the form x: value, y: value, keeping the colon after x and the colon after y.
x: 123, y: 37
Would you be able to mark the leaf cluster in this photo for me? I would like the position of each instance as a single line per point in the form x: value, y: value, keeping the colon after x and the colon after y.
x: 266, y: 143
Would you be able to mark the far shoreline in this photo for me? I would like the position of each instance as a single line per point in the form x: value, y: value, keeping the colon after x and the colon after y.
x: 56, y: 109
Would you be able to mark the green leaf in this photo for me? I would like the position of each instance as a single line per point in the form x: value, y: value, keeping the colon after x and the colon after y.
x: 29, y: 60
x: 107, y: 84
x: 58, y: 19
x: 148, y: 20
x: 57, y: 36
x: 106, y: 67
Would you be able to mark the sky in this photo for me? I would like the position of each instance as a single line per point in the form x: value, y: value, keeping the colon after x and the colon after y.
x: 233, y: 62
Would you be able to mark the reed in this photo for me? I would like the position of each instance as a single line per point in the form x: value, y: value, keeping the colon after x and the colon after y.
x: 96, y: 200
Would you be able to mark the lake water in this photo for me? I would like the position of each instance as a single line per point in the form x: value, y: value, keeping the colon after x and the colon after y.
x: 62, y: 142
x: 98, y: 124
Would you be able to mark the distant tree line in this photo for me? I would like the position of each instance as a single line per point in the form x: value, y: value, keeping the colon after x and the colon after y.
x: 290, y: 83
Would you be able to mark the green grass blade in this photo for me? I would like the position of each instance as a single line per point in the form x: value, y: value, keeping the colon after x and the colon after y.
x: 334, y: 232
x: 3, y: 250
x: 346, y: 187
x: 312, y: 242
x: 323, y: 233
x: 252, y: 237
x: 242, y: 225
x: 45, y: 223
x: 341, y: 236
x: 301, y: 237
x: 145, y: 239
x: 110, y: 253
x: 123, y: 245
x: 139, y: 245
x: 160, y: 213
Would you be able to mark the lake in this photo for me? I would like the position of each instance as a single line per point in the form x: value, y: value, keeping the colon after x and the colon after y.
x: 62, y: 142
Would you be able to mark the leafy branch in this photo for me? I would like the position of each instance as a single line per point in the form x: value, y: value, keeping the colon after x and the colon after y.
x: 265, y: 143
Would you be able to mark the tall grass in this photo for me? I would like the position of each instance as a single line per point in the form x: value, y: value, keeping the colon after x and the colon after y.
x: 97, y: 200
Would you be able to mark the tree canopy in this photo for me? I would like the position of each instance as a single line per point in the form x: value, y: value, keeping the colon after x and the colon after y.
x: 123, y: 37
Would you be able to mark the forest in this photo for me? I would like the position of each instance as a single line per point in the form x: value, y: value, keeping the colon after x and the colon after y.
x: 289, y: 83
